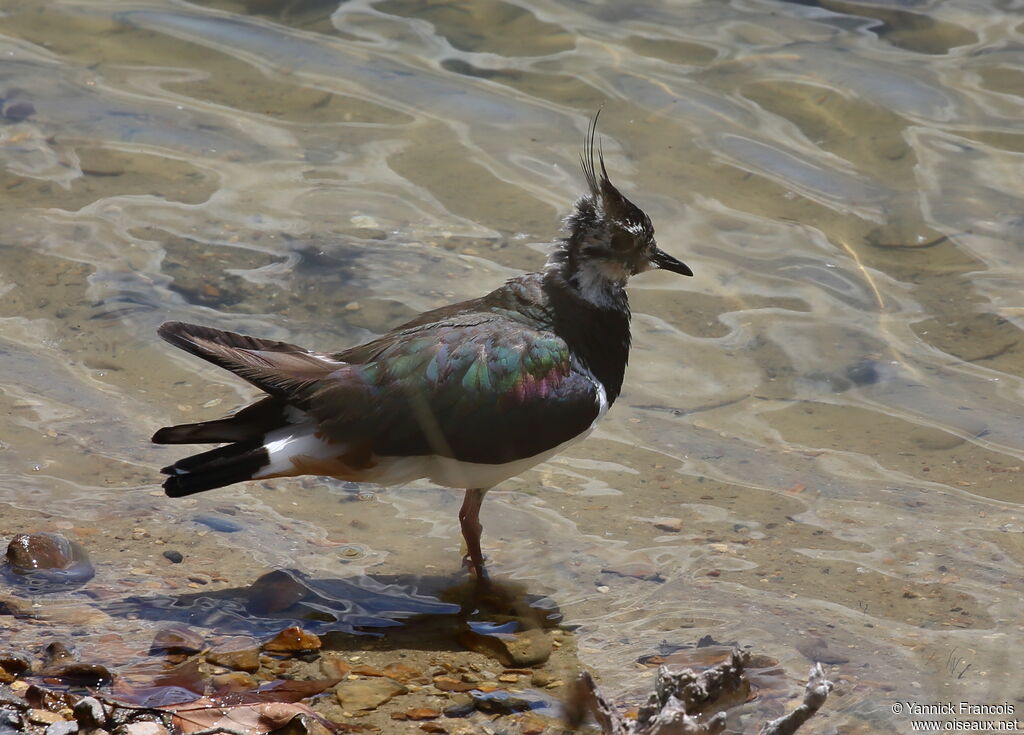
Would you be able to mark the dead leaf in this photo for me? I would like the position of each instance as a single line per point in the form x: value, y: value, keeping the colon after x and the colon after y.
x: 256, y: 719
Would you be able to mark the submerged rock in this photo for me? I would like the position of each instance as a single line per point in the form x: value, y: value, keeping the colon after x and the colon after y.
x: 273, y: 592
x: 13, y: 664
x: 48, y: 558
x: 177, y: 639
x: 62, y: 662
x: 240, y: 653
x: 528, y: 647
x: 503, y: 703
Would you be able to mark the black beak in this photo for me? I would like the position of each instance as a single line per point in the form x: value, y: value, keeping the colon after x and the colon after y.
x: 666, y: 262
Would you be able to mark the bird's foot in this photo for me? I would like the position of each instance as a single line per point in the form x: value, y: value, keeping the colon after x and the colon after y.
x: 477, y: 570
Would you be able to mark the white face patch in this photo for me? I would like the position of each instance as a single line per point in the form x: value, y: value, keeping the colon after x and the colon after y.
x: 601, y: 281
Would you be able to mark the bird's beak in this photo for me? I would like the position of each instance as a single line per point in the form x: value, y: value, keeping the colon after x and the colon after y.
x: 661, y: 259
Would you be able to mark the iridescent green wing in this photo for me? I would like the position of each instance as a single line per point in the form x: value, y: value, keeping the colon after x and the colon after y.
x: 485, y: 389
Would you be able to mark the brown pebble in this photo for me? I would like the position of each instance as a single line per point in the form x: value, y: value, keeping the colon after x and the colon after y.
x: 422, y: 713
x: 432, y: 727
x: 713, y: 573
x: 292, y: 640
x: 531, y: 725
x: 542, y: 678
x: 509, y: 678
x: 367, y: 670
x: 451, y: 684
x: 528, y: 647
x: 403, y: 673
x: 273, y: 592
x: 334, y: 667
x: 13, y: 663
x: 43, y: 717
x: 233, y: 681
x: 366, y: 693
x: 240, y: 653
x: 142, y: 728
x: 177, y: 639
x: 672, y: 525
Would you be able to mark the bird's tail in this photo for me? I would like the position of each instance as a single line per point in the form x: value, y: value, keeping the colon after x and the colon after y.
x: 255, y: 436
x: 216, y: 468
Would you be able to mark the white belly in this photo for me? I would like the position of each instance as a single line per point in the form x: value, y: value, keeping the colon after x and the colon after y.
x: 297, y: 450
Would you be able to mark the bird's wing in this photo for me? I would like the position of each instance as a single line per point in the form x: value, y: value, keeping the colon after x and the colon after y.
x: 476, y: 388
x: 279, y: 368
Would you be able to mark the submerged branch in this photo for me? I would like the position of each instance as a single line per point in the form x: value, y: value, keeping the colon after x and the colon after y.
x: 681, y: 700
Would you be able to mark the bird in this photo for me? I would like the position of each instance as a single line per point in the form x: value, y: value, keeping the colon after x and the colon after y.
x: 465, y: 396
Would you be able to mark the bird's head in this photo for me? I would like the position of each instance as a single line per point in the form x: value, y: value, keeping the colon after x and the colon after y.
x: 610, y: 238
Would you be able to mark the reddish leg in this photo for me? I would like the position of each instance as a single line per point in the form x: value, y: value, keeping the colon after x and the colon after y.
x: 469, y: 518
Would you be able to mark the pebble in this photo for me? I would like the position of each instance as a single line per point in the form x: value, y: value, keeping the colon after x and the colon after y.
x: 64, y: 727
x: 273, y: 592
x: 367, y: 670
x: 61, y: 661
x: 174, y: 557
x: 462, y: 706
x: 144, y: 728
x: 672, y: 525
x: 218, y: 523
x: 12, y: 664
x: 50, y: 558
x: 451, y: 684
x: 240, y: 653
x: 500, y: 702
x: 9, y: 699
x: 292, y: 640
x: 433, y: 727
x: 233, y: 681
x: 177, y: 639
x: 422, y: 713
x: 43, y: 717
x: 366, y: 694
x: 403, y: 673
x: 56, y: 654
x: 18, y: 111
x: 334, y: 667
x: 524, y: 648
x: 10, y: 719
x: 532, y: 725
x: 542, y: 678
x: 89, y: 713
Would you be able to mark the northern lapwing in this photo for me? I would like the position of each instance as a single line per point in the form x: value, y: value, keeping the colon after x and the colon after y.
x: 465, y: 395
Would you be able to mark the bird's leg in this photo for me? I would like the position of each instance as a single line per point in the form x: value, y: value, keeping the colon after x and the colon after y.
x: 469, y: 518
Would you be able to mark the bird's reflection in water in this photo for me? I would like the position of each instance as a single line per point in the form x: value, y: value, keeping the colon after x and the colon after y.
x: 501, y: 618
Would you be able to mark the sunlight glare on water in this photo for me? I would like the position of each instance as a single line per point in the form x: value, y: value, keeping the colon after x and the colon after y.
x: 832, y: 406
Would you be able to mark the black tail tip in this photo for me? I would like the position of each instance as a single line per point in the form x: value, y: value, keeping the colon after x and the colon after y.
x: 163, y: 436
x: 172, y: 485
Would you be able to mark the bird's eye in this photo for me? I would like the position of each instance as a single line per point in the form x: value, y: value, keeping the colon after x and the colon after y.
x: 622, y: 241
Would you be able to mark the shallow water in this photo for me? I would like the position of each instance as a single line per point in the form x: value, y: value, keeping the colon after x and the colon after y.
x: 833, y: 405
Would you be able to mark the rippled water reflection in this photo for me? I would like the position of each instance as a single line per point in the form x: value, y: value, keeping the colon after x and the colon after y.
x: 833, y: 406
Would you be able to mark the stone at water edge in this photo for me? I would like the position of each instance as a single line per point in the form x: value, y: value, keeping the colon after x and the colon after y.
x: 177, y: 639
x: 524, y: 648
x: 49, y: 557
x: 240, y: 653
x: 293, y: 640
x: 367, y: 694
x: 233, y: 681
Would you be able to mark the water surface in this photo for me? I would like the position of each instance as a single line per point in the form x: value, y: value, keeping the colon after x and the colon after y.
x: 832, y: 406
